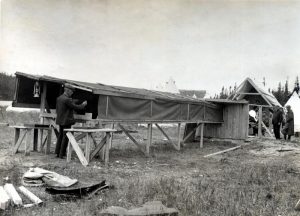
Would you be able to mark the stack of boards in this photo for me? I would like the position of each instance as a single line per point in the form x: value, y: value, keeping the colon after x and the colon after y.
x: 10, y: 196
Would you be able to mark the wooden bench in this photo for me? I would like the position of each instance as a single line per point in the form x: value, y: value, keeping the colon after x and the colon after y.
x: 27, y: 128
x: 88, y: 154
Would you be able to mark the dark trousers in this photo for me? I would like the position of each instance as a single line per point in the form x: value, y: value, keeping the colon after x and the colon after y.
x: 276, y: 129
x: 62, y: 141
x: 288, y: 137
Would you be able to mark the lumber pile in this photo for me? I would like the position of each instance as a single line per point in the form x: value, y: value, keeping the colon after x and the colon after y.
x: 9, y: 196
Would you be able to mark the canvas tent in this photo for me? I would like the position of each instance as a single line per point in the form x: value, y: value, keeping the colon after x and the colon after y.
x: 294, y: 102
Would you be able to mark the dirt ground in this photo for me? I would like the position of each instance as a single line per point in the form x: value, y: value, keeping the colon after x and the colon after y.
x: 260, y: 178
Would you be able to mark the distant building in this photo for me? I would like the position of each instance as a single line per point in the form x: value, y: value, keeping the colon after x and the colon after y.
x: 193, y: 93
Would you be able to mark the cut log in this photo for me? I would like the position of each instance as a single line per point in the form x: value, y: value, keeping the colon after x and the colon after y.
x: 4, y: 199
x: 30, y: 195
x: 221, y: 152
x: 13, y: 194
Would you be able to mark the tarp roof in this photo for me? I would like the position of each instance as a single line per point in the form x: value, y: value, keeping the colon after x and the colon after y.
x: 99, y: 88
x: 249, y: 88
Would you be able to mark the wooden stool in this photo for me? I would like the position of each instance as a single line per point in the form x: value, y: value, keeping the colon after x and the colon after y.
x: 88, y: 155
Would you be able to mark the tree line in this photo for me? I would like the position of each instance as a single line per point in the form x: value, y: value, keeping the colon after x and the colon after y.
x: 282, y: 93
x: 7, y: 86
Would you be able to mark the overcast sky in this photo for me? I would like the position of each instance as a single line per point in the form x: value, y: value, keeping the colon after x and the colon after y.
x: 140, y: 43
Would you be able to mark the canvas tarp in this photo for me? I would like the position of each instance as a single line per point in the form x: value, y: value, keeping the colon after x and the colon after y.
x: 294, y: 102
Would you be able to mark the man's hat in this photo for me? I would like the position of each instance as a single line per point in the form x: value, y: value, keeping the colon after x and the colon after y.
x: 69, y: 86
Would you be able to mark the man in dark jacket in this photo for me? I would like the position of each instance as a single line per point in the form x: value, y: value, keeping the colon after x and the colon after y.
x: 277, y: 121
x: 65, y: 107
x: 288, y: 129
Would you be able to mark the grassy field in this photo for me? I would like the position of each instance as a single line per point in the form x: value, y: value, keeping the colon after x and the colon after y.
x: 235, y: 183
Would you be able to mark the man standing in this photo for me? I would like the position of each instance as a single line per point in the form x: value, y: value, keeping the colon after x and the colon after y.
x: 288, y: 129
x: 277, y: 121
x: 65, y: 107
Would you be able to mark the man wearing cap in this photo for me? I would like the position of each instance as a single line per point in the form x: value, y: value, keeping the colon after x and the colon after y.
x: 288, y: 129
x: 65, y: 107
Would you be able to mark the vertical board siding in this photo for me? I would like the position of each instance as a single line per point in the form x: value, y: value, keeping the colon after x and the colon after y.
x: 235, y: 124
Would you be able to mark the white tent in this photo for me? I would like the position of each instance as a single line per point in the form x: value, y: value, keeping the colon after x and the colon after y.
x: 294, y: 102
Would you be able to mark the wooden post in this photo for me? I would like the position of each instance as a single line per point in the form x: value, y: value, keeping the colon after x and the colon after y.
x: 260, y: 122
x: 108, y: 137
x: 27, y: 142
x: 17, y: 135
x: 48, y: 145
x: 179, y: 136
x: 88, y: 147
x: 69, y: 152
x: 201, y: 135
x: 35, y: 139
x: 149, y: 141
x: 42, y: 109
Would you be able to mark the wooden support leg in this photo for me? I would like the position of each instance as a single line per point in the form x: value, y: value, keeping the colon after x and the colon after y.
x: 41, y: 140
x: 149, y: 141
x: 77, y: 149
x: 201, y: 135
x: 260, y: 122
x: 69, y: 152
x: 20, y: 140
x: 17, y: 135
x: 35, y: 139
x: 88, y: 148
x: 168, y: 138
x: 98, y: 148
x: 108, y: 137
x: 27, y: 142
x: 49, y: 138
x: 179, y: 136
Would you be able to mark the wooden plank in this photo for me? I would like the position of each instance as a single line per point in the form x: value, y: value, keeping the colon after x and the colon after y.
x: 98, y: 147
x: 179, y: 136
x: 69, y: 152
x: 201, y: 135
x: 87, y: 147
x: 107, y: 148
x: 20, y: 140
x: 49, y: 138
x: 4, y: 199
x: 77, y: 149
x: 270, y: 134
x: 149, y: 141
x: 168, y: 138
x: 132, y: 139
x: 17, y: 135
x: 221, y: 152
x: 260, y: 122
x: 27, y: 142
x: 35, y: 139
x: 92, y: 130
x: 13, y: 194
x: 30, y: 195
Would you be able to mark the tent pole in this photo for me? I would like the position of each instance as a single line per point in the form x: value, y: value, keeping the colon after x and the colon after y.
x: 260, y: 122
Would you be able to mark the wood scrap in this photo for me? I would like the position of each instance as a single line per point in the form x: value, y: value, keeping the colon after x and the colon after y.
x: 13, y: 194
x: 221, y: 152
x: 30, y: 195
x: 4, y: 199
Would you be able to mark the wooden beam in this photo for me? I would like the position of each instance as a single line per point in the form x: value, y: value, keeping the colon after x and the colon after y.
x: 30, y: 195
x: 201, y: 135
x: 221, y: 152
x: 69, y: 152
x: 13, y: 194
x: 179, y: 136
x: 131, y: 137
x: 4, y: 199
x: 27, y: 142
x: 268, y: 131
x: 168, y: 138
x: 98, y: 148
x: 190, y: 133
x: 260, y: 122
x: 87, y: 147
x: 108, y: 136
x: 20, y: 140
x: 77, y: 149
x: 149, y: 141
